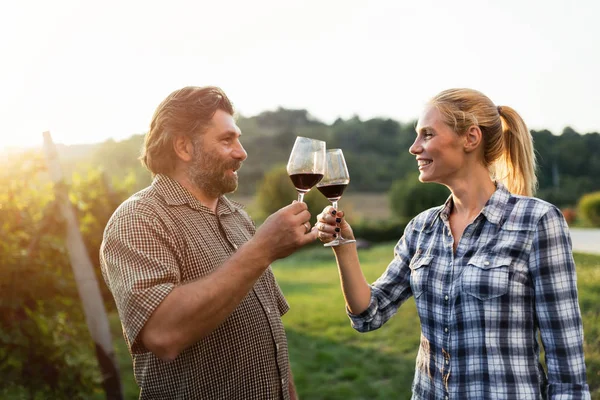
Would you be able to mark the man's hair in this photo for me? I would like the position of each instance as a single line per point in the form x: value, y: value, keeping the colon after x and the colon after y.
x: 187, y: 111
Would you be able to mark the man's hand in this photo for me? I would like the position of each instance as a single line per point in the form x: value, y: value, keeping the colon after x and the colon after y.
x: 285, y: 231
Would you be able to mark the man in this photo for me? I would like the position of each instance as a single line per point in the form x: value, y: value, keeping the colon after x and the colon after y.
x: 190, y: 274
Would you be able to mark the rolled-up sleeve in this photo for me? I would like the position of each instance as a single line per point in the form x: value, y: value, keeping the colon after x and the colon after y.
x: 557, y: 308
x: 139, y: 264
x: 389, y: 291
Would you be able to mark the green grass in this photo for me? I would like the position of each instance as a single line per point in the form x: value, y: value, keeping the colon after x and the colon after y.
x: 332, y: 361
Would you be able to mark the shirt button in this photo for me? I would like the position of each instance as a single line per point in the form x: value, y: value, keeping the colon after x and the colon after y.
x: 283, y: 381
x: 446, y: 329
x: 446, y: 297
x: 486, y: 263
x: 446, y: 397
x: 277, y: 346
x: 268, y: 310
x: 447, y: 362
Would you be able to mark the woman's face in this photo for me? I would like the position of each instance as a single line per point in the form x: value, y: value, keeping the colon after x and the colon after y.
x: 439, y: 150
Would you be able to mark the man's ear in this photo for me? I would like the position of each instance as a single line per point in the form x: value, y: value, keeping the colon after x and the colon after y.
x: 183, y: 148
x: 473, y: 138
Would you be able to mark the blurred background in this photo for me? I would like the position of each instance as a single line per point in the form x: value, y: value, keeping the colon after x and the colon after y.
x: 355, y: 74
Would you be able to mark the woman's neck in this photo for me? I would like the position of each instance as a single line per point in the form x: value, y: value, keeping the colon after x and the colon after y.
x: 470, y: 195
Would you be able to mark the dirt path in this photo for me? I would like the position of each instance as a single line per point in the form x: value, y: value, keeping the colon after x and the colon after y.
x: 586, y: 240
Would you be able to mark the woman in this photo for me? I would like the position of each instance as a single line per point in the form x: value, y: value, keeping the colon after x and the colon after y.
x: 489, y: 269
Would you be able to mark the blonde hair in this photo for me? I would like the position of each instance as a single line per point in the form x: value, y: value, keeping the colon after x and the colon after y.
x: 187, y: 111
x: 507, y: 144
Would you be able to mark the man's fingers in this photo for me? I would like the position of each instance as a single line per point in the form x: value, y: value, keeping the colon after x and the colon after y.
x: 312, y: 235
x: 296, y: 207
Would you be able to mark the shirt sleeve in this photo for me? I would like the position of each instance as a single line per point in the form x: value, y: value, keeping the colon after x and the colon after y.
x: 389, y: 291
x: 139, y: 264
x: 557, y: 308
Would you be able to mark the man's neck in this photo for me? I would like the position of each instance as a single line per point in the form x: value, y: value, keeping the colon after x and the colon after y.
x: 206, y: 200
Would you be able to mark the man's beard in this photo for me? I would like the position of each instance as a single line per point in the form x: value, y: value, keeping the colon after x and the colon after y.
x: 208, y: 173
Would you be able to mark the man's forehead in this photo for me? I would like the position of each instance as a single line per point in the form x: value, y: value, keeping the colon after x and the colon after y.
x: 223, y: 122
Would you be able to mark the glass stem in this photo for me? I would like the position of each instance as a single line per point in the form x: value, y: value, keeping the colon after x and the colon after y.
x: 335, y: 207
x: 300, y: 197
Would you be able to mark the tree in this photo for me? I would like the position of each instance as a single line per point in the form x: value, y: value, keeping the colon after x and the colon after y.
x: 276, y: 191
x: 409, y: 197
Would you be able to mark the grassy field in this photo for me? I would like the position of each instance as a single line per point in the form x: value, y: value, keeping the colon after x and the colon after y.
x: 332, y: 361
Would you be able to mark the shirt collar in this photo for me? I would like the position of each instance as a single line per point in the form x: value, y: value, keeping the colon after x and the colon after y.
x: 493, y: 209
x: 175, y: 194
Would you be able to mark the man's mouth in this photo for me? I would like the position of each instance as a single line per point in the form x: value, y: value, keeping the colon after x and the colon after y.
x: 234, y: 168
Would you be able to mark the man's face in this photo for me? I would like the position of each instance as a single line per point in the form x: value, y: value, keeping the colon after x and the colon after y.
x: 218, y: 154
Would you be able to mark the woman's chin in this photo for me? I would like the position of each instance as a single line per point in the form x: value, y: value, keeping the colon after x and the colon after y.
x: 423, y: 178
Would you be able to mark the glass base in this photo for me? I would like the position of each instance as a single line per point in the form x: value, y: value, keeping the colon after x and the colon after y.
x: 339, y: 242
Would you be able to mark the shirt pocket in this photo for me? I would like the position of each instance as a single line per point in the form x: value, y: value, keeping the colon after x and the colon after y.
x: 419, y: 273
x: 486, y: 276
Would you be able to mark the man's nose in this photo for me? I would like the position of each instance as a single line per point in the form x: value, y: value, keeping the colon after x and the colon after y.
x: 239, y: 153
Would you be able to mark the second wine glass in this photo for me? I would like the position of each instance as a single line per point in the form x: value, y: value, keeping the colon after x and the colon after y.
x: 306, y: 165
x: 333, y: 184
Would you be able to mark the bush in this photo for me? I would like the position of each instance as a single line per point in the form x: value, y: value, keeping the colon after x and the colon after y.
x: 45, y: 348
x: 409, y: 197
x: 276, y: 191
x: 379, y: 231
x: 589, y: 208
x: 570, y: 215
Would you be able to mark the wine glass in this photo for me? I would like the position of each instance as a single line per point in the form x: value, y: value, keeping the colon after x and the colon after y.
x: 333, y: 184
x: 306, y: 165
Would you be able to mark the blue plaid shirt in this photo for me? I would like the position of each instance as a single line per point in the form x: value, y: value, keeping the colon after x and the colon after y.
x: 481, y: 307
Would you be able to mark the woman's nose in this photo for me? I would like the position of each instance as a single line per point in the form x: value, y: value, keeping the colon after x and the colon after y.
x: 416, y: 147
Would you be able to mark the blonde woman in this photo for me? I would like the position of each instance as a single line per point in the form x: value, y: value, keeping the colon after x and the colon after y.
x: 489, y: 269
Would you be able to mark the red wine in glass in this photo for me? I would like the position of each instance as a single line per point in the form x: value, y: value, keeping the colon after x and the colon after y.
x: 333, y: 184
x: 334, y: 191
x: 306, y: 165
x: 304, y: 182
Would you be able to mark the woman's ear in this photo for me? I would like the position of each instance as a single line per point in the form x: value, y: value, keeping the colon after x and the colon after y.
x: 473, y: 138
x: 183, y: 148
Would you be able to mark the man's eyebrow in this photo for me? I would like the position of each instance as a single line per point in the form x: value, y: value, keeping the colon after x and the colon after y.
x: 228, y: 134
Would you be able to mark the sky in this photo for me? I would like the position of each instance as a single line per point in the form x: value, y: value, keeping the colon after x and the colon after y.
x: 89, y: 71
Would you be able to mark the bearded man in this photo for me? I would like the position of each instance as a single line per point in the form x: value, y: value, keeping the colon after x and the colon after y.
x: 189, y: 272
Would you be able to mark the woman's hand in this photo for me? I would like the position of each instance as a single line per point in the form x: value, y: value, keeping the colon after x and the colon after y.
x: 330, y: 223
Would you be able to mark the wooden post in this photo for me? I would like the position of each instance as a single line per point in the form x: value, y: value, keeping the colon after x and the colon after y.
x: 87, y: 285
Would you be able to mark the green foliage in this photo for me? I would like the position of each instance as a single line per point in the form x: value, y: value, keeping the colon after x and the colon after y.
x: 45, y: 347
x: 276, y: 191
x: 379, y: 231
x: 589, y: 208
x: 376, y: 151
x: 409, y: 197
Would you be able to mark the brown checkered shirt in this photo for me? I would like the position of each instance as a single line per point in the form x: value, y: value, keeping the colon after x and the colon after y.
x: 162, y: 237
